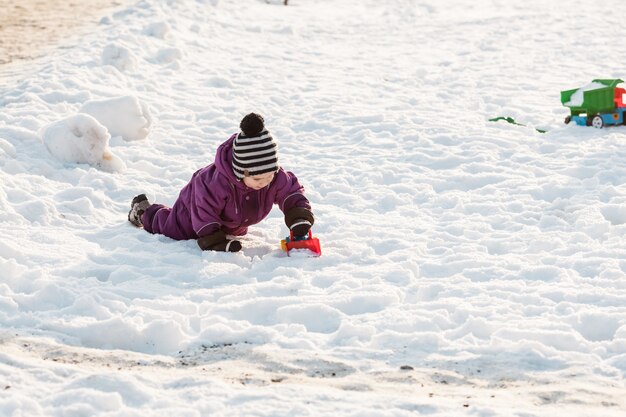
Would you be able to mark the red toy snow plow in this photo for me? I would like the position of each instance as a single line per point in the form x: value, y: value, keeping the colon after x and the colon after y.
x: 306, y: 244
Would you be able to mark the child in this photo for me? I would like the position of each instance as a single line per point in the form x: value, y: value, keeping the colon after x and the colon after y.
x: 234, y: 192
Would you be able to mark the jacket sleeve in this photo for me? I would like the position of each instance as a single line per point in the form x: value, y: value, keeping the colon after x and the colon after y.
x: 290, y: 198
x: 205, y: 207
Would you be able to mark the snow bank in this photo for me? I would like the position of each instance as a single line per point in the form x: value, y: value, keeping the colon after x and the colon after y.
x: 80, y: 139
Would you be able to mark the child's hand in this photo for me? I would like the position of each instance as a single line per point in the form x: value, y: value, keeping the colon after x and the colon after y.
x: 300, y: 227
x: 218, y: 242
x: 227, y: 246
x: 299, y: 220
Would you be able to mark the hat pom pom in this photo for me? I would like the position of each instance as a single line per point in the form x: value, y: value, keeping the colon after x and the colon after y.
x: 252, y: 124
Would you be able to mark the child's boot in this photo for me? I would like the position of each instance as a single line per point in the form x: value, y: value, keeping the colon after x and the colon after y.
x: 139, y: 204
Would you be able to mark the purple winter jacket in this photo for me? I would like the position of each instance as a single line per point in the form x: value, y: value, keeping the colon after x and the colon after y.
x: 214, y: 199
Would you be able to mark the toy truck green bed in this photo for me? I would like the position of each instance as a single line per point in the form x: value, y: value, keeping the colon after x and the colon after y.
x: 601, y: 100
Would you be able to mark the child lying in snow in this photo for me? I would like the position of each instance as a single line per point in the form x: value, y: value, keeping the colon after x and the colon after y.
x: 234, y: 192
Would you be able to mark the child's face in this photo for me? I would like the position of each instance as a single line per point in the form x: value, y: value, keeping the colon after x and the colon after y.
x: 257, y: 182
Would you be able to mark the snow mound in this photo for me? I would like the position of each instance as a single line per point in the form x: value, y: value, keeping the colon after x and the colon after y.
x: 80, y: 139
x: 158, y: 30
x: 118, y: 56
x: 169, y: 55
x: 123, y: 116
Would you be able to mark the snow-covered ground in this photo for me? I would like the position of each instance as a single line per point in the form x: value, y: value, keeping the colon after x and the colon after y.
x: 469, y: 267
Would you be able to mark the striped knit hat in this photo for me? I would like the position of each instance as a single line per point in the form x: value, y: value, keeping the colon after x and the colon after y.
x: 254, y: 149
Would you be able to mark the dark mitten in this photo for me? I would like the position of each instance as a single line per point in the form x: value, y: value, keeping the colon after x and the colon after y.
x: 300, y: 227
x: 299, y: 220
x: 206, y: 242
x: 217, y: 241
x: 227, y: 246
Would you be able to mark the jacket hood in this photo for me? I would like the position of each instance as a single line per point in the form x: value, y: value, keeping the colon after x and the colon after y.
x: 224, y: 161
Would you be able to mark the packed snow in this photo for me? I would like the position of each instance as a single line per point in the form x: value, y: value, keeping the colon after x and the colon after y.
x: 81, y: 139
x: 468, y: 267
x: 122, y: 116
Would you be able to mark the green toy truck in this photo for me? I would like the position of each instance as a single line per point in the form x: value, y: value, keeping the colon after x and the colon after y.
x: 597, y: 104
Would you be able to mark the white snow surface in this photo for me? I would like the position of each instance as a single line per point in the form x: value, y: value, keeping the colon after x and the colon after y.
x: 468, y: 268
